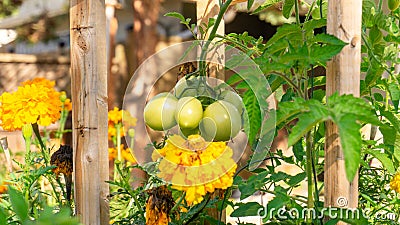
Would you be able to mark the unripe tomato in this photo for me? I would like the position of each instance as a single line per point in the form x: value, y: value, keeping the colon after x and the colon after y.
x: 189, y: 112
x: 160, y: 110
x: 187, y: 88
x: 233, y: 98
x: 188, y: 132
x: 221, y: 121
x: 393, y: 4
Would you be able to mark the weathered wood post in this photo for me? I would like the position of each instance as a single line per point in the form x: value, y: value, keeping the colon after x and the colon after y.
x: 343, y: 76
x: 89, y: 96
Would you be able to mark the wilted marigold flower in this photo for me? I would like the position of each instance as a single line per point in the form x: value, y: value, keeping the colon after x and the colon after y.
x: 35, y: 102
x: 196, y: 166
x: 395, y: 183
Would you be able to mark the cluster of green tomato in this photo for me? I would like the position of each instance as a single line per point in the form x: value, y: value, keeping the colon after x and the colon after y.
x: 216, y: 116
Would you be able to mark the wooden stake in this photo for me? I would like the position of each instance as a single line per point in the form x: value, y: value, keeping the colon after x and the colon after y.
x: 343, y: 76
x: 89, y: 96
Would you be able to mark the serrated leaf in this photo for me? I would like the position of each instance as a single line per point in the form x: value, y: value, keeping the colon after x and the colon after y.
x: 3, y: 217
x: 176, y: 15
x: 250, y: 4
x: 350, y: 139
x: 265, y: 5
x: 322, y: 54
x: 294, y: 180
x: 252, y: 106
x: 284, y: 31
x: 298, y: 151
x: 253, y: 184
x: 18, y: 203
x: 394, y: 90
x: 310, y: 25
x: 247, y: 209
x: 288, y: 8
x: 287, y: 110
x: 306, y: 121
x: 329, y: 39
x: 384, y: 159
x: 263, y: 146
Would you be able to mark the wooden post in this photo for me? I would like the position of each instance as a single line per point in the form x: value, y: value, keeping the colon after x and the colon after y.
x: 89, y: 96
x: 343, y: 76
x: 206, y: 9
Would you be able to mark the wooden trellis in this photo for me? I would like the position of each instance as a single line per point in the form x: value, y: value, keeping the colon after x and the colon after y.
x: 89, y: 95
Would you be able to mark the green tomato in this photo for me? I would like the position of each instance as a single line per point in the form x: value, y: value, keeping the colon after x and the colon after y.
x: 160, y: 110
x: 187, y: 132
x: 187, y: 88
x: 221, y: 121
x: 189, y: 112
x: 393, y: 4
x: 233, y: 98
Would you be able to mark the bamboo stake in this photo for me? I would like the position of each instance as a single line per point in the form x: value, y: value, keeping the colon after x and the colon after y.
x: 343, y: 76
x: 89, y: 96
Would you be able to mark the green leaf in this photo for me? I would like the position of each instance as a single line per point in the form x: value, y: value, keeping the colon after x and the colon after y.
x: 329, y: 39
x: 322, y: 54
x: 287, y: 110
x: 247, y: 209
x: 263, y: 146
x: 250, y: 4
x: 350, y: 139
x: 254, y: 183
x: 265, y: 5
x: 3, y: 217
x: 252, y: 106
x: 294, y: 180
x: 310, y: 25
x: 317, y: 114
x: 18, y: 203
x: 375, y: 35
x: 288, y: 8
x: 298, y: 151
x: 384, y: 159
x: 286, y: 30
x: 176, y: 15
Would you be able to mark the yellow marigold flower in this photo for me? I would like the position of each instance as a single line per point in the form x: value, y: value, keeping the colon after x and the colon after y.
x: 114, y: 116
x: 118, y: 118
x: 40, y: 81
x: 35, y: 102
x: 196, y: 166
x: 126, y: 154
x: 395, y: 183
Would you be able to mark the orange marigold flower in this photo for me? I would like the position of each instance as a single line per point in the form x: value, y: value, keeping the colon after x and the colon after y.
x: 40, y: 81
x: 35, y: 102
x: 68, y: 104
x: 3, y: 189
x: 196, y: 166
x: 395, y: 183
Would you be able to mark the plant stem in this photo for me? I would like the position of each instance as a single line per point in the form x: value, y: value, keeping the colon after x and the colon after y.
x: 202, y: 64
x: 296, y: 8
x: 309, y: 161
x: 118, y: 127
x: 28, y: 142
